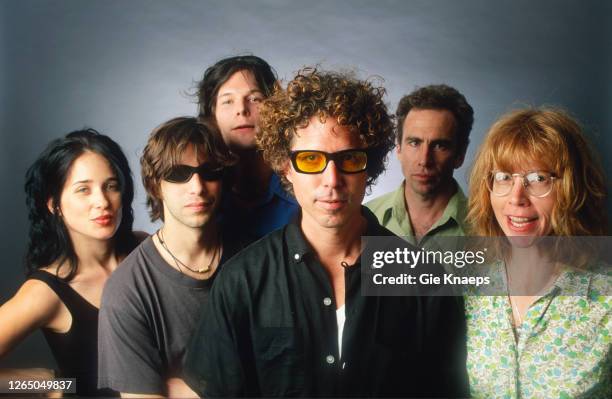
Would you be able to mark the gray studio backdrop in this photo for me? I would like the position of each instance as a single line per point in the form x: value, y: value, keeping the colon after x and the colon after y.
x: 123, y: 67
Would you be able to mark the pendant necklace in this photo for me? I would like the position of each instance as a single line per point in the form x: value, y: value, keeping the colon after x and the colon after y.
x: 177, y: 261
x: 516, y: 320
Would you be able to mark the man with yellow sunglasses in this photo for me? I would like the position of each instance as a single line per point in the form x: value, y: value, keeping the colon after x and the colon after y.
x: 286, y: 316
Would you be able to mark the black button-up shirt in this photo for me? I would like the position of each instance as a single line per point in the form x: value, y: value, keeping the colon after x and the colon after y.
x: 270, y: 329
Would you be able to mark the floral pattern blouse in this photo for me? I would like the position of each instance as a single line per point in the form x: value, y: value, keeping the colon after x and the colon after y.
x: 563, y: 349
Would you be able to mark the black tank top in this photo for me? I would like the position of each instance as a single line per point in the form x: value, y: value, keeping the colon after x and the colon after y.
x: 75, y: 351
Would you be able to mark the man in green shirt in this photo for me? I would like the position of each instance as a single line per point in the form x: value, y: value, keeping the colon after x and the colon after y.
x: 433, y: 128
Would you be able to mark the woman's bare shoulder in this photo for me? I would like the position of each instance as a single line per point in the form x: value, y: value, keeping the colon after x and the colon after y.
x: 37, y: 292
x: 35, y: 301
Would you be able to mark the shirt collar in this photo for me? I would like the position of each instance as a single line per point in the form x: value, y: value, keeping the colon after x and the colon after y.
x: 455, y: 210
x: 296, y: 242
x: 298, y: 246
x: 275, y: 187
x: 573, y: 282
x: 399, y: 212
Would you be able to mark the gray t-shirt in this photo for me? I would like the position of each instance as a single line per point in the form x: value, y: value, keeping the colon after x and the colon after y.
x: 148, y: 313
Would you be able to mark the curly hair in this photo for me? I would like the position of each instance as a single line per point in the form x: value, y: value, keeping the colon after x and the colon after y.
x: 165, y: 148
x: 49, y: 240
x: 553, y: 139
x: 439, y: 97
x: 354, y: 103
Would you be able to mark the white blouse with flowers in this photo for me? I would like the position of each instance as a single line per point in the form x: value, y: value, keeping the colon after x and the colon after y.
x: 563, y: 348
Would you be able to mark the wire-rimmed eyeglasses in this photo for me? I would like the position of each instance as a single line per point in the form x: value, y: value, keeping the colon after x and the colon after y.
x: 537, y: 183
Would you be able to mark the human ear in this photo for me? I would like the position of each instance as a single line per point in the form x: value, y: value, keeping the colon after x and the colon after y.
x: 156, y: 190
x: 50, y: 206
x: 54, y: 210
x: 287, y: 171
x: 459, y: 160
x: 461, y: 155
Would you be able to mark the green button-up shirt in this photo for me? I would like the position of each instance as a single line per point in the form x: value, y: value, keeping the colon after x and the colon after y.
x: 390, y: 209
x: 563, y: 348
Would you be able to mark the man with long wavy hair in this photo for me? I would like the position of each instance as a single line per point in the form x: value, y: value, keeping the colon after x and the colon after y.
x: 231, y: 92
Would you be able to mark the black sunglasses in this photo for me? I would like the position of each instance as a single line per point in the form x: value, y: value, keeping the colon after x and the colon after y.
x: 183, y: 173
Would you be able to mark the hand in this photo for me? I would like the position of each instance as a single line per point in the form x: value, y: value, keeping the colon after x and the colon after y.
x: 177, y: 388
x: 31, y: 374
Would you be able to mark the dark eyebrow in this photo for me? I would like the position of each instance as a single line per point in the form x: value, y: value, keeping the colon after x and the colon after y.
x: 250, y: 92
x: 413, y: 138
x: 89, y: 181
x: 443, y: 141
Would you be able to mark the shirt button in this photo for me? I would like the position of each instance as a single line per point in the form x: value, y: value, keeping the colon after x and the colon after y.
x: 296, y: 257
x: 330, y: 359
x: 327, y: 301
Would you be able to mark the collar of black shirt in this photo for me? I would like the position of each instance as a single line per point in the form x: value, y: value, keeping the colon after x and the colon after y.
x: 299, y: 247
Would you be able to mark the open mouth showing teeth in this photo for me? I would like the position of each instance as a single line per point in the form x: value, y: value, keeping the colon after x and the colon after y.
x: 520, y: 221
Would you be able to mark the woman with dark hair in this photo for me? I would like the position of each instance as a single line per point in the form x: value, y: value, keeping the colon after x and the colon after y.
x: 547, y: 333
x: 79, y: 194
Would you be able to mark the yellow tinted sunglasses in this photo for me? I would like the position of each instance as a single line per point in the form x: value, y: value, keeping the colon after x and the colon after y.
x: 312, y: 161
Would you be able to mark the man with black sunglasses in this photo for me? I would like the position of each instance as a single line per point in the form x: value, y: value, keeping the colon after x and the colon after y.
x: 150, y: 304
x: 286, y: 316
